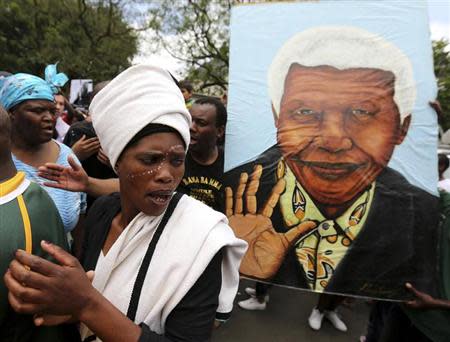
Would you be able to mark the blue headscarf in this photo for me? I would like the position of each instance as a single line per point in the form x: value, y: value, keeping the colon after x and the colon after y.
x: 20, y: 87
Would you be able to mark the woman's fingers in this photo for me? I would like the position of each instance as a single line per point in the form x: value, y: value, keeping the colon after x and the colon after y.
x: 60, y: 255
x: 50, y: 176
x: 52, y: 172
x: 55, y: 185
x: 20, y: 306
x: 91, y: 140
x: 54, y: 166
x: 51, y: 168
x: 73, y: 164
x: 94, y: 144
x: 25, y: 276
x: 22, y: 292
x: 90, y: 274
x: 41, y: 287
x: 36, y: 264
x: 101, y: 156
x: 50, y: 320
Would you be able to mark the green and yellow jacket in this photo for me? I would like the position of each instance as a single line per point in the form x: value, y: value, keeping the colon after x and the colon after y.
x: 27, y: 216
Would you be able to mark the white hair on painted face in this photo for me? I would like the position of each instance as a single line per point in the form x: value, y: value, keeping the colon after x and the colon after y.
x: 343, y: 47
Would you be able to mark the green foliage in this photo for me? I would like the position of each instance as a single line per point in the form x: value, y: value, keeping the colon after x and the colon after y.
x: 90, y: 39
x: 195, y: 32
x: 441, y: 55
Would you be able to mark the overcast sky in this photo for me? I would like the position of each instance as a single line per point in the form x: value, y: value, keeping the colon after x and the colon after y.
x: 439, y: 14
x: 439, y: 11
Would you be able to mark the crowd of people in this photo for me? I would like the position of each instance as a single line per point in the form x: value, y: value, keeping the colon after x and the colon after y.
x: 96, y: 210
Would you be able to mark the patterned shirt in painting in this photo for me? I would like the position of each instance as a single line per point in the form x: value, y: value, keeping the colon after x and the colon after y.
x: 27, y: 216
x: 320, y: 252
x: 70, y: 204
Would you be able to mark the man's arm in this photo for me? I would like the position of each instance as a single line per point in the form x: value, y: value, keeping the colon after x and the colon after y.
x: 424, y: 301
x: 75, y: 178
x: 99, y: 187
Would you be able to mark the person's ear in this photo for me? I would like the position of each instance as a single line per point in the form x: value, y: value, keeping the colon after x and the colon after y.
x: 403, y: 130
x: 220, y: 132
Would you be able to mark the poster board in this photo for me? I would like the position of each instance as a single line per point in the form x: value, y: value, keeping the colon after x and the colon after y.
x: 330, y: 153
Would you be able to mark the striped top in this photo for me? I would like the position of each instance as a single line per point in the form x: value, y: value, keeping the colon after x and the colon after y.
x: 69, y: 204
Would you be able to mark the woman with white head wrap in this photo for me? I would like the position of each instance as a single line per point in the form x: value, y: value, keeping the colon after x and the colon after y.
x: 175, y: 251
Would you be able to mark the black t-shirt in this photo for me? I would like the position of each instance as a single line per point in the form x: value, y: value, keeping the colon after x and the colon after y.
x: 192, y: 318
x: 204, y: 182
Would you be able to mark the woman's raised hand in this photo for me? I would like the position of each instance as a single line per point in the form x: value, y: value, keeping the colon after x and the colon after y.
x: 72, y: 178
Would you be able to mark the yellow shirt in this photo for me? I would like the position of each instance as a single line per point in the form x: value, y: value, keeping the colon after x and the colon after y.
x: 320, y: 252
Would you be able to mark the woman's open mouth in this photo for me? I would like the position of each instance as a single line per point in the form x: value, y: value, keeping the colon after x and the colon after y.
x: 160, y: 197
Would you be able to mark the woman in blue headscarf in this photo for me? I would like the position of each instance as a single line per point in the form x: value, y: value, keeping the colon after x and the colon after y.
x: 29, y: 101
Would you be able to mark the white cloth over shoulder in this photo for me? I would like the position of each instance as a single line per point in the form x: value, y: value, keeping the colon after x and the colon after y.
x: 192, y: 237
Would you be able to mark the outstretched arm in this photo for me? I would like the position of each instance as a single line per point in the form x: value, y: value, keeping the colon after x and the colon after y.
x: 75, y: 178
x: 100, y: 187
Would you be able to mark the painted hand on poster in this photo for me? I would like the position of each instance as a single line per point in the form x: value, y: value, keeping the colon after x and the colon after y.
x: 266, y: 247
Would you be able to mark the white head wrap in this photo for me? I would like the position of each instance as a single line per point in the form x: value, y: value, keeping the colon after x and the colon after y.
x: 140, y: 95
x: 343, y: 47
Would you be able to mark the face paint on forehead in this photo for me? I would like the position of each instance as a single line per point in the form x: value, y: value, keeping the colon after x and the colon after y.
x: 176, y: 148
x: 155, y: 168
